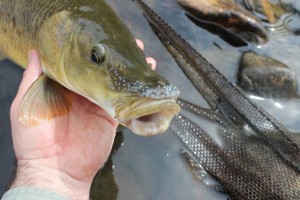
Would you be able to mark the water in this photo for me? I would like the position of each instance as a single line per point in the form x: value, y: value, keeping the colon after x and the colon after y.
x: 154, y: 168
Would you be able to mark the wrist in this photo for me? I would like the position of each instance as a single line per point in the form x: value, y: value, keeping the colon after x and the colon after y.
x: 35, y: 174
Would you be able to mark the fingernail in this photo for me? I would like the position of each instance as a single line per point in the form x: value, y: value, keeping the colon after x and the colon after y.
x: 151, y: 61
x: 140, y: 43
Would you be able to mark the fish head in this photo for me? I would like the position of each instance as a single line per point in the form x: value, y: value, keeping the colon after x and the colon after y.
x: 99, y: 59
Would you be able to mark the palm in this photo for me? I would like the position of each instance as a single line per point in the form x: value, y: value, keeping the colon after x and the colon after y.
x: 79, y: 142
x: 74, y: 145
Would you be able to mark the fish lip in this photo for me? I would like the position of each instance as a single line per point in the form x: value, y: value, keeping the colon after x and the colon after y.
x: 149, y: 116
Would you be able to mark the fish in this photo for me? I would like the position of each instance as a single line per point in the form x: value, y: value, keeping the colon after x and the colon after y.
x: 261, y: 157
x: 229, y: 15
x: 85, y: 47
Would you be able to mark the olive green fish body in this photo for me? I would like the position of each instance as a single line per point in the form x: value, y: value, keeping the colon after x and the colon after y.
x: 85, y: 47
x: 20, y: 22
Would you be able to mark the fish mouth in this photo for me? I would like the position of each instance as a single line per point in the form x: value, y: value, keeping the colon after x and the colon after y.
x: 149, y: 117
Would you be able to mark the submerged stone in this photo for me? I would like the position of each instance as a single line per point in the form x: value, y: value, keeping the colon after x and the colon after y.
x: 229, y: 15
x: 266, y: 77
x: 264, y: 9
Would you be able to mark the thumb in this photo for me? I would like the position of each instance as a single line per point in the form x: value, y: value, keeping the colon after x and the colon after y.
x: 31, y: 74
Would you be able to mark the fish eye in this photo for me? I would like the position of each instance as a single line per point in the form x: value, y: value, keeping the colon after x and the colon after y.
x: 98, y: 53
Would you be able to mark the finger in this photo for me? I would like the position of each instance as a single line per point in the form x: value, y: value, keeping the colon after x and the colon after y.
x: 152, y: 62
x: 31, y: 74
x: 140, y: 43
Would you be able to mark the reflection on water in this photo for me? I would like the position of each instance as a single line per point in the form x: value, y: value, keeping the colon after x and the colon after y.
x: 154, y: 168
x: 286, y: 110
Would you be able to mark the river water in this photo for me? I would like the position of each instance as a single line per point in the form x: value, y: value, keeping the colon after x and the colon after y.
x: 154, y: 168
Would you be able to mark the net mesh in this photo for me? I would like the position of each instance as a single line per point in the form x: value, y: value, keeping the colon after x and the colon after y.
x: 247, y: 166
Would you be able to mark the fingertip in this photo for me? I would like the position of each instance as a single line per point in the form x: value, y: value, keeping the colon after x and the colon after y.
x: 34, y: 64
x: 152, y: 62
x: 140, y: 43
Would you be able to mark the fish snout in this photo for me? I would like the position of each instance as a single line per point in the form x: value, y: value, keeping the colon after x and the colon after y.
x: 150, y: 110
x: 147, y: 84
x: 147, y: 101
x: 163, y: 91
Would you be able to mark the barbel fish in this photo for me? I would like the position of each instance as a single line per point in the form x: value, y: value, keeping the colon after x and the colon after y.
x: 85, y: 47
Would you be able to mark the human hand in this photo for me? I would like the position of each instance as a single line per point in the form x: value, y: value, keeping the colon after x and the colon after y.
x: 64, y: 153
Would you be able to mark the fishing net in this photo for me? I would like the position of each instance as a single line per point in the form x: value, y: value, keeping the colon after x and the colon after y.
x: 259, y: 158
x: 247, y: 165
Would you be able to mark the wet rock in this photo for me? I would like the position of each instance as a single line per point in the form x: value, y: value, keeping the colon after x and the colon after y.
x: 264, y: 9
x: 228, y: 14
x: 232, y: 39
x: 280, y: 16
x: 266, y: 77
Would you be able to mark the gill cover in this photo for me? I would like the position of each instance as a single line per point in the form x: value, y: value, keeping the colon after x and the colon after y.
x: 45, y: 99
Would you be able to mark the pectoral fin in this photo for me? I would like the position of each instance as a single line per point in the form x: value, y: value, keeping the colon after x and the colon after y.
x: 43, y: 101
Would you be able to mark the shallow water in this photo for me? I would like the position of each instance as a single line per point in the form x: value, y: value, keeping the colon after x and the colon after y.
x: 154, y: 168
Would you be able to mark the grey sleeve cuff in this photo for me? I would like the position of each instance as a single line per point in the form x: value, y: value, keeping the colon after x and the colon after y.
x: 31, y: 193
